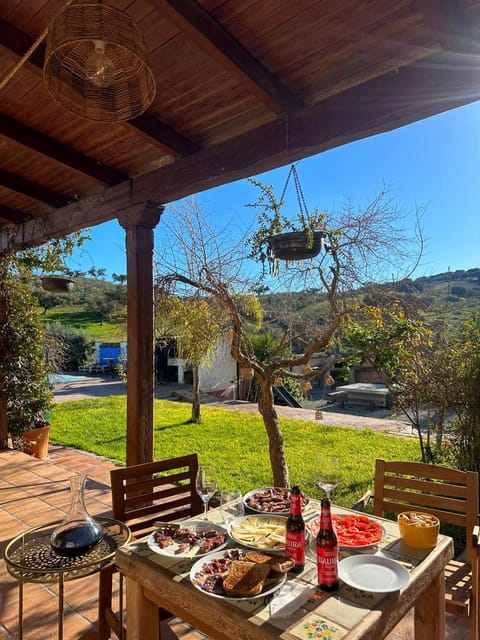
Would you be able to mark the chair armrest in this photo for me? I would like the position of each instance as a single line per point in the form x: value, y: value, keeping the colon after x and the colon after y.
x: 364, y: 500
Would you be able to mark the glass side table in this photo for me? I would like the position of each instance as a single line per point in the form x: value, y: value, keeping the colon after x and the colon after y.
x: 30, y: 558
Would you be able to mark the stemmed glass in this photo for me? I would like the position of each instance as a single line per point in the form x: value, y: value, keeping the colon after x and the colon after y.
x: 205, y: 485
x: 231, y: 505
x: 328, y: 473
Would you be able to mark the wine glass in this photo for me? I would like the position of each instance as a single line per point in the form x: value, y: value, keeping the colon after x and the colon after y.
x: 205, y: 485
x: 328, y: 473
x: 231, y: 504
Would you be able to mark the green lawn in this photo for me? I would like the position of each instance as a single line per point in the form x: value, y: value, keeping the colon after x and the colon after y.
x: 234, y: 442
x: 98, y: 329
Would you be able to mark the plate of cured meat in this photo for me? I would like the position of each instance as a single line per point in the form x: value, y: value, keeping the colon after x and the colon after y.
x: 238, y: 574
x: 271, y: 501
x: 188, y: 539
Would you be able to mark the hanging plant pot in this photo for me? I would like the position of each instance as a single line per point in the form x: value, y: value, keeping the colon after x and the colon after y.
x: 57, y: 284
x: 295, y: 245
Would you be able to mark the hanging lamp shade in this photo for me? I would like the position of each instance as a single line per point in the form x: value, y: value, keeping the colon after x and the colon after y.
x: 96, y: 64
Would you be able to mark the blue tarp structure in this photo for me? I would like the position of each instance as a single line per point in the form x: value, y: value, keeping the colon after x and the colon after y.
x: 109, y: 354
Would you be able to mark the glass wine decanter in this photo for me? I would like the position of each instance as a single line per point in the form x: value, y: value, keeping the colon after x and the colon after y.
x: 78, y: 532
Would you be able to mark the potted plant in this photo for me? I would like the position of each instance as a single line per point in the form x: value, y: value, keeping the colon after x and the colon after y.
x: 279, y: 237
x: 25, y: 388
x: 23, y: 366
x: 57, y: 284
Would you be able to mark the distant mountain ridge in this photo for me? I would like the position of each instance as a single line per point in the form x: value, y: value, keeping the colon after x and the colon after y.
x: 98, y: 306
x: 444, y: 296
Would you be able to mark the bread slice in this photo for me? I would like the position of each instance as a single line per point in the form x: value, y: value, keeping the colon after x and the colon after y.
x: 245, y: 579
x: 256, y: 556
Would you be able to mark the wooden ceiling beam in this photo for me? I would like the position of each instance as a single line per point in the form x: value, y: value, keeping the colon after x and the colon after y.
x: 61, y: 153
x: 158, y: 133
x: 7, y: 214
x: 438, y: 83
x: 163, y: 136
x: 33, y: 190
x: 19, y: 42
x: 203, y: 30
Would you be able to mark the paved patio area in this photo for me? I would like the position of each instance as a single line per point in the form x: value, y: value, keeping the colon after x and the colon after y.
x: 33, y: 492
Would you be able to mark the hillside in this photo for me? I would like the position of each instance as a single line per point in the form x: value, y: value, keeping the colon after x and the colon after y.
x: 98, y: 306
x: 448, y: 296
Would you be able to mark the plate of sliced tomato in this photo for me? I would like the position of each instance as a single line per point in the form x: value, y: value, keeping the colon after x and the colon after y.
x: 353, y: 530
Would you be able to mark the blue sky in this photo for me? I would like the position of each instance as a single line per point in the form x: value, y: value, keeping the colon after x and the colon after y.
x: 433, y: 163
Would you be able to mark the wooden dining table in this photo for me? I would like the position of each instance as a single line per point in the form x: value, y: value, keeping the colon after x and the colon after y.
x: 298, y: 611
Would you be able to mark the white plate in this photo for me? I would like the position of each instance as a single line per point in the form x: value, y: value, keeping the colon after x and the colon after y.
x: 264, y: 543
x: 197, y: 567
x: 282, y: 512
x: 373, y: 573
x: 312, y: 527
x: 172, y: 550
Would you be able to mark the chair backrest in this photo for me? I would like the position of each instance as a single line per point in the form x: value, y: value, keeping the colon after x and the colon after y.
x: 449, y: 494
x: 162, y: 490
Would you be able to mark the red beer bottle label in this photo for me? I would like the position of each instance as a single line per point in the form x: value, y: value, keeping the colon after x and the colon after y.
x: 327, y: 565
x: 327, y: 551
x: 295, y: 547
x: 295, y: 532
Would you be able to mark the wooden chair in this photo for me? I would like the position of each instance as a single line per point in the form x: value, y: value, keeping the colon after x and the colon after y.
x: 142, y: 494
x: 452, y: 496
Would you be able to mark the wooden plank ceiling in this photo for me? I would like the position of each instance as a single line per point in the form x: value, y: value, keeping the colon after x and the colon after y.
x: 242, y: 86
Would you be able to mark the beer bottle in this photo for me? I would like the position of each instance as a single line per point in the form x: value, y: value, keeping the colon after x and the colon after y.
x: 327, y: 550
x: 295, y: 532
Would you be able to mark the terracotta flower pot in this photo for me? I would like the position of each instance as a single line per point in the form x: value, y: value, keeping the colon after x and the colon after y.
x: 295, y: 245
x: 35, y: 442
x: 55, y: 283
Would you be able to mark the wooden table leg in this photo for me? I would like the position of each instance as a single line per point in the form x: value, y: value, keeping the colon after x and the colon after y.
x: 430, y: 611
x: 142, y: 614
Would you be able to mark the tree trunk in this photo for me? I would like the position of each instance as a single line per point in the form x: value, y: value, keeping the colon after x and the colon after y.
x: 275, y: 437
x: 196, y: 417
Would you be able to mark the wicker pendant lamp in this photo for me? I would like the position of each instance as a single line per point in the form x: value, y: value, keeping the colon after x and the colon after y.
x: 96, y: 64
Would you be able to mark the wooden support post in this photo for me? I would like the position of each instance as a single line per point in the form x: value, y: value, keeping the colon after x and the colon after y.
x: 139, y: 222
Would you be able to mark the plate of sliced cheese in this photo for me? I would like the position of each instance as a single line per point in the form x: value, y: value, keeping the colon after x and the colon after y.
x: 259, y: 532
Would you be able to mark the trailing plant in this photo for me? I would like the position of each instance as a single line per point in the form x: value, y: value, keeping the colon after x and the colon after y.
x: 272, y: 221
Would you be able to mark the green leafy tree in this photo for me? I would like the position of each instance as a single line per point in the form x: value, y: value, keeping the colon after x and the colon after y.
x: 119, y: 278
x: 67, y: 347
x: 358, y: 245
x: 433, y: 375
x: 467, y: 367
x: 401, y: 349
x: 197, y: 323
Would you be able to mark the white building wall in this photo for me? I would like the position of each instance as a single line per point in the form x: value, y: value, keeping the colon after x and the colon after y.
x: 221, y: 373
